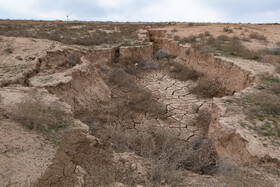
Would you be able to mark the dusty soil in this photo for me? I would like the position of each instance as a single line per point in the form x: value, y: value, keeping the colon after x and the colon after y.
x: 79, y: 80
x: 240, y: 30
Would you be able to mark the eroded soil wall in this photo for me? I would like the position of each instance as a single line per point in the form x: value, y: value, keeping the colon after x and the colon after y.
x: 232, y: 77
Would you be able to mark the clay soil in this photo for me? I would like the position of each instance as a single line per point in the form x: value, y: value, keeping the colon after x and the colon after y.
x: 133, y: 117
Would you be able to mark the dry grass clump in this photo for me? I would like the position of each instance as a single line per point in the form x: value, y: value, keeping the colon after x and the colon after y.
x: 208, y: 88
x: 189, y: 39
x: 207, y: 33
x: 2, y: 111
x: 74, y: 59
x: 182, y: 73
x: 8, y: 50
x: 258, y: 36
x: 161, y: 54
x: 166, y: 153
x: 35, y: 114
x: 228, y: 30
x: 277, y: 69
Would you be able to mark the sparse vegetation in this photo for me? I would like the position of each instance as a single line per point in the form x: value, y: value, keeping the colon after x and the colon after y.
x: 228, y: 30
x: 35, y: 114
x: 274, y: 51
x: 263, y: 106
x: 258, y: 36
x: 174, y: 30
x: 189, y: 39
x: 76, y: 33
x: 8, y: 50
x: 74, y: 59
x: 208, y: 88
x: 277, y: 69
x: 207, y: 33
x: 165, y: 152
x: 227, y: 46
x: 182, y: 73
x: 161, y: 54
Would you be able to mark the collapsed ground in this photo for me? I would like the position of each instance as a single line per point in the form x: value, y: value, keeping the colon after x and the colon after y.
x: 149, y: 121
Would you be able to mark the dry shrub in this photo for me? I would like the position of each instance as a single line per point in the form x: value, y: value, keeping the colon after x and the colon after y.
x: 258, y: 36
x: 174, y: 30
x: 189, y: 39
x: 228, y: 30
x: 74, y: 59
x: 149, y: 64
x: 203, y: 120
x: 35, y: 114
x: 182, y: 73
x: 2, y: 111
x: 207, y: 33
x: 9, y: 50
x: 166, y: 153
x: 208, y: 88
x: 101, y: 170
x: 275, y: 88
x: 277, y: 69
x: 223, y: 37
x: 176, y: 38
x: 161, y: 54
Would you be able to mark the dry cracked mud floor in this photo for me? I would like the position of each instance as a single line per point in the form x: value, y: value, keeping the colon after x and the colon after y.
x: 72, y: 115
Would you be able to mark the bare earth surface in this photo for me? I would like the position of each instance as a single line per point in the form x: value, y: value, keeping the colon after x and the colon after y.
x: 72, y: 78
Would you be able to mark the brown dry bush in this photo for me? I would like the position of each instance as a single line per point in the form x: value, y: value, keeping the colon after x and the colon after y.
x: 208, y: 88
x: 182, y: 73
x: 258, y: 36
x: 161, y: 54
x: 227, y: 29
x: 166, y: 153
x: 277, y: 69
x: 207, y: 33
x: 35, y: 114
x: 275, y: 88
x: 189, y: 39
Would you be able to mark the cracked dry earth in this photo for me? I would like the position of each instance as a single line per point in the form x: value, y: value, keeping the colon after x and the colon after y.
x: 181, y: 106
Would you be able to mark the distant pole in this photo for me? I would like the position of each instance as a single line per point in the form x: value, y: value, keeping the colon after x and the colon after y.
x: 67, y: 17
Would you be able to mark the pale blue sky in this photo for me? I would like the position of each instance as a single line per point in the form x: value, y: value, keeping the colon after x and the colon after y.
x: 254, y: 11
